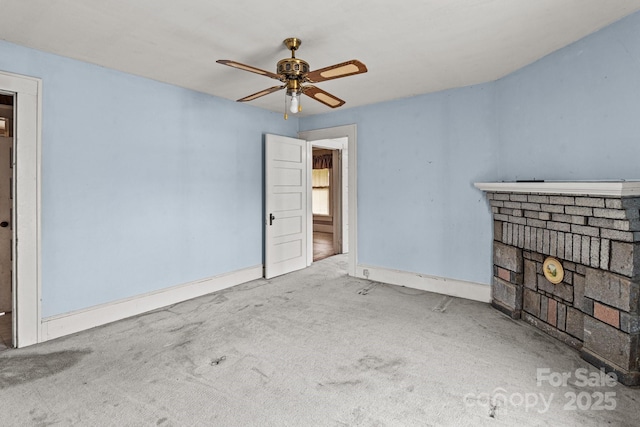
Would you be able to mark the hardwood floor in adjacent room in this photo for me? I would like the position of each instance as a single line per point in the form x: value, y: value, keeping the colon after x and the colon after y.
x: 322, y: 245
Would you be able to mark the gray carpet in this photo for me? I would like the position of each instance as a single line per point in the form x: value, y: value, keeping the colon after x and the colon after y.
x: 311, y: 348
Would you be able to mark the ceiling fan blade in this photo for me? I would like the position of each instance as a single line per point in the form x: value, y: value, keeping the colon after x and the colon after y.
x: 261, y: 93
x: 336, y: 71
x: 244, y: 67
x: 325, y: 97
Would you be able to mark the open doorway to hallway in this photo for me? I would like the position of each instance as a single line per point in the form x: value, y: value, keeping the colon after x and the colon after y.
x: 6, y: 219
x: 23, y: 224
x: 347, y: 137
x: 329, y: 204
x: 323, y: 200
x: 288, y: 236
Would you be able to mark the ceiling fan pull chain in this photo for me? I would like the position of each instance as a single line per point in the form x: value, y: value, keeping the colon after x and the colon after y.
x: 286, y: 116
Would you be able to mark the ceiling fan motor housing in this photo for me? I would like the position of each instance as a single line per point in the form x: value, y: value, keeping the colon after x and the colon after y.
x: 293, y: 67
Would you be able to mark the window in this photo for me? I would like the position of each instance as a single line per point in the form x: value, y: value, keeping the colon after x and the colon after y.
x: 321, y: 191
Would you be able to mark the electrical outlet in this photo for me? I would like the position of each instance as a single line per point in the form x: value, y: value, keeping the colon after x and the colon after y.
x: 365, y: 273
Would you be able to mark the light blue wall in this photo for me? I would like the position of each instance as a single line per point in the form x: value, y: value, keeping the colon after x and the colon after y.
x: 417, y: 160
x: 144, y: 185
x: 574, y: 114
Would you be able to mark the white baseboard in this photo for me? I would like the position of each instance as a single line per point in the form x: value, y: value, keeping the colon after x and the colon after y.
x: 80, y: 320
x: 456, y: 288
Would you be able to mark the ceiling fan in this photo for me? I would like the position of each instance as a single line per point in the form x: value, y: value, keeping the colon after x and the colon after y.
x: 295, y: 75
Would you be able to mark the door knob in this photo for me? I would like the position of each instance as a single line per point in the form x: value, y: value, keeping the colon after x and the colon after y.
x: 4, y: 224
x: 271, y: 218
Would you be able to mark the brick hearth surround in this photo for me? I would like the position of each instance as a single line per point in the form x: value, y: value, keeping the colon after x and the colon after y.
x: 593, y: 229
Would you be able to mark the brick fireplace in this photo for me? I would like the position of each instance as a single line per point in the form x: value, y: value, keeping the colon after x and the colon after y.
x: 593, y: 230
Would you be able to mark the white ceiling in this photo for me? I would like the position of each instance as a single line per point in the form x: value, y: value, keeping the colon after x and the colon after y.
x: 410, y: 47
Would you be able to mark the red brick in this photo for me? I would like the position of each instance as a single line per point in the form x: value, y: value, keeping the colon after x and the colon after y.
x: 606, y: 314
x: 552, y: 312
x: 504, y: 274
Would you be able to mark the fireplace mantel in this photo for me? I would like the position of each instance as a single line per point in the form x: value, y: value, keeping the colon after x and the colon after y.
x: 613, y: 188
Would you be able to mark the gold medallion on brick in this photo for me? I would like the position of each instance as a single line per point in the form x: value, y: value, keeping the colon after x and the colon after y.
x: 553, y: 270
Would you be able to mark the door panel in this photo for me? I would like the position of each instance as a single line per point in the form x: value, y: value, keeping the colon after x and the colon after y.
x: 286, y: 205
x: 287, y: 226
x: 286, y: 202
x: 287, y: 251
x: 287, y: 177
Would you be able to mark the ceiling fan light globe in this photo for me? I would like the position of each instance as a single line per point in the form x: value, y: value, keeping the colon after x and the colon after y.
x: 294, y: 104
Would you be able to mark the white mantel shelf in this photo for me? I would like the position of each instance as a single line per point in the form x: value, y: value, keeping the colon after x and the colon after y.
x: 584, y: 188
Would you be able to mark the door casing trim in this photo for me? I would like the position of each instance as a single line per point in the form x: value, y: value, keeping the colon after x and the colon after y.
x: 27, y: 206
x: 350, y: 132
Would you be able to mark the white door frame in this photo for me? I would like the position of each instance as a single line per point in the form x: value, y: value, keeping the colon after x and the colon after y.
x: 348, y: 131
x: 27, y: 216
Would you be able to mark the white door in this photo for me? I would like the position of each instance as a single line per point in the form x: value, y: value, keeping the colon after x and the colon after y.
x: 285, y: 205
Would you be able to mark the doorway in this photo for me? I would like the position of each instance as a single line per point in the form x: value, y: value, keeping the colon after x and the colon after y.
x: 277, y: 169
x: 26, y: 201
x: 7, y: 102
x: 323, y: 201
x: 346, y: 136
x: 328, y: 207
x: 289, y: 219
